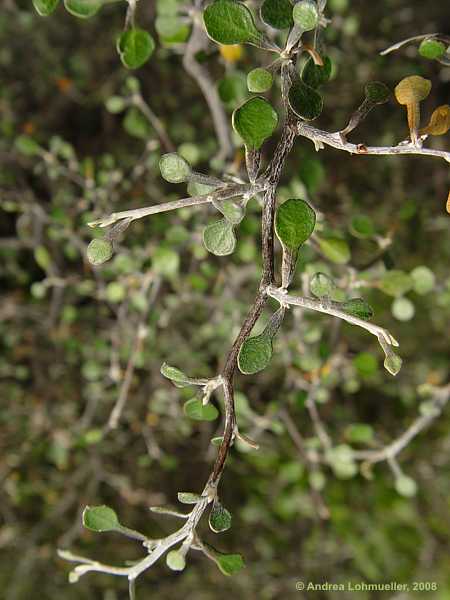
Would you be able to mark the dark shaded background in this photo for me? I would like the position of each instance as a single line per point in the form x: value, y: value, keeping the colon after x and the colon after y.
x: 64, y: 330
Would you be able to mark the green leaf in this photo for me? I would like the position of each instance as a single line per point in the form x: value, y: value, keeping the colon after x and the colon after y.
x: 335, y: 249
x: 393, y: 363
x: 432, y: 48
x: 177, y: 377
x: 45, y: 7
x: 219, y: 238
x: 406, y: 486
x: 294, y: 223
x: 189, y: 498
x: 306, y: 14
x: 277, y: 13
x: 165, y: 262
x: 174, y: 168
x: 84, y: 9
x: 42, y: 257
x: 255, y: 121
x: 255, y: 354
x: 315, y: 75
x: 194, y: 409
x: 321, y: 285
x: 359, y: 433
x: 305, y: 101
x: 233, y: 88
x: 403, y: 309
x: 377, y: 92
x: 100, y: 518
x: 259, y: 80
x: 358, y: 308
x: 136, y: 124
x: 217, y: 441
x: 175, y: 560
x: 424, y: 280
x: 228, y: 22
x: 396, y: 283
x: 362, y: 226
x: 366, y: 364
x: 27, y: 145
x: 115, y: 104
x: 219, y: 518
x: 99, y: 251
x: 232, y: 210
x: 135, y: 46
x: 229, y: 564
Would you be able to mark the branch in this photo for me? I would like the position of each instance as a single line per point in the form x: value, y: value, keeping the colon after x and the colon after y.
x: 319, y: 138
x: 441, y: 397
x: 331, y: 308
x: 207, y: 86
x: 229, y: 191
x: 415, y: 38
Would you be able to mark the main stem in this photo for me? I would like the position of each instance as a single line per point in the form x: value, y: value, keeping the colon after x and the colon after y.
x: 272, y: 176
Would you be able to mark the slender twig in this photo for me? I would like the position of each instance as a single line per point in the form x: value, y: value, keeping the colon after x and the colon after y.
x: 441, y: 397
x: 229, y: 191
x: 414, y: 38
x: 200, y: 74
x: 330, y: 308
x: 154, y: 121
x: 319, y: 137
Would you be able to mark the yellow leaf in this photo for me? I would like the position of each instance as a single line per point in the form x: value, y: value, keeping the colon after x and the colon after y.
x: 448, y: 203
x: 232, y: 53
x: 439, y: 122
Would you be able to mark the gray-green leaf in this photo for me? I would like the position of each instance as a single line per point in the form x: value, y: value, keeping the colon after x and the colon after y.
x: 174, y: 168
x: 99, y: 251
x: 100, y: 518
x: 315, y: 75
x: 219, y: 238
x: 189, y: 498
x: 255, y: 354
x: 175, y: 560
x: 177, y: 377
x: 195, y: 409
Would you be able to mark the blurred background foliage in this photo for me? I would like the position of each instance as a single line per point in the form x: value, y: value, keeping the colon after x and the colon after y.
x: 67, y: 330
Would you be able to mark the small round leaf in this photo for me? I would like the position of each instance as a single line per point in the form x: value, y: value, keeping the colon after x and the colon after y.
x: 100, y: 518
x: 432, y: 48
x: 229, y: 564
x: 316, y: 75
x: 306, y: 14
x: 358, y: 308
x: 255, y: 354
x: 83, y: 9
x: 228, y: 22
x: 259, y: 80
x: 277, y: 13
x: 45, y: 7
x: 406, y: 486
x: 219, y: 518
x: 194, y: 409
x: 174, y: 168
x: 377, y: 92
x: 219, y: 238
x: 335, y: 249
x: 255, y: 121
x: 135, y: 46
x: 305, y: 101
x: 294, y: 223
x: 175, y: 560
x: 321, y: 285
x: 99, y: 251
